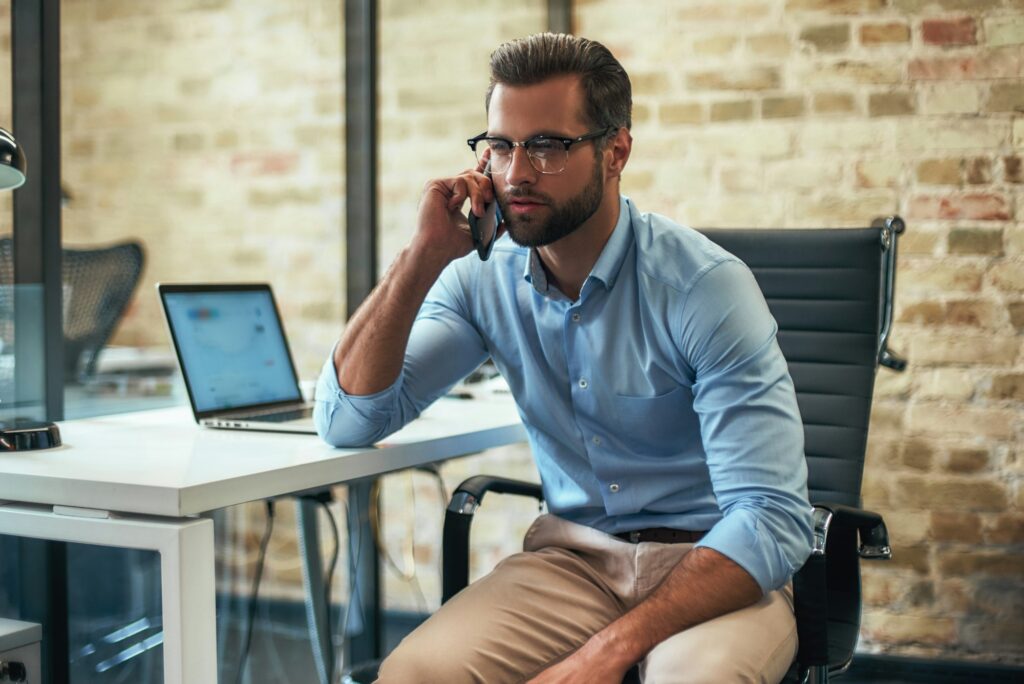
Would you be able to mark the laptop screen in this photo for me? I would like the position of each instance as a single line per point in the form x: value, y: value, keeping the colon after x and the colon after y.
x: 232, y: 348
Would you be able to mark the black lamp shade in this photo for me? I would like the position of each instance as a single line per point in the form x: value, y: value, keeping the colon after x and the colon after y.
x: 12, y: 162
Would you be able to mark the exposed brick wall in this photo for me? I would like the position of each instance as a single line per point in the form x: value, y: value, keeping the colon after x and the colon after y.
x: 213, y: 129
x: 831, y: 112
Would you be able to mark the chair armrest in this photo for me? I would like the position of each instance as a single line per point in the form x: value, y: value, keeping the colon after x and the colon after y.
x: 874, y: 537
x: 827, y: 588
x: 458, y: 518
x: 471, y: 492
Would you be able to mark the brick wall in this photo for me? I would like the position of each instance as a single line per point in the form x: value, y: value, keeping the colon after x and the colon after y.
x: 212, y: 129
x: 829, y: 112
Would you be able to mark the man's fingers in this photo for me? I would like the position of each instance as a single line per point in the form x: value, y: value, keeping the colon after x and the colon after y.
x: 471, y: 185
x: 477, y: 188
x: 481, y: 164
x: 458, y: 195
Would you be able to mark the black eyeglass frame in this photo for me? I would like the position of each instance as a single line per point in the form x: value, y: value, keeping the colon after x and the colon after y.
x: 568, y: 142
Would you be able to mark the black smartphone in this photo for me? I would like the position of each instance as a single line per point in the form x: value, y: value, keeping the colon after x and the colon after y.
x: 484, y: 229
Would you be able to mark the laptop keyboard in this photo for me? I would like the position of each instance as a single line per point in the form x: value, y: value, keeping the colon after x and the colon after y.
x: 281, y: 416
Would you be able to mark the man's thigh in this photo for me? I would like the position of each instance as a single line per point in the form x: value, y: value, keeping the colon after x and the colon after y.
x: 756, y: 644
x: 533, y: 609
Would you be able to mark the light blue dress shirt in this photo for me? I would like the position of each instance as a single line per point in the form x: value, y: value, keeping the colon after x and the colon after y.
x: 659, y: 398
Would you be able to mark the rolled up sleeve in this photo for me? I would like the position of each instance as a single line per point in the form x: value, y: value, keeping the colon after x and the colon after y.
x: 444, y: 346
x: 344, y: 419
x: 750, y: 426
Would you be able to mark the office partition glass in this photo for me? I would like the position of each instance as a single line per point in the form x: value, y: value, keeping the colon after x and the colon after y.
x: 201, y: 142
x: 206, y: 137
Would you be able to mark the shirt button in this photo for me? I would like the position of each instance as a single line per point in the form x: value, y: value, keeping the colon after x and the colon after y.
x: 575, y: 318
x: 613, y: 487
x: 596, y: 440
x: 583, y: 383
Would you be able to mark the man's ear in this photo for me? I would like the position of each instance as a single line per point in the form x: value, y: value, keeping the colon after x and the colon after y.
x: 617, y: 152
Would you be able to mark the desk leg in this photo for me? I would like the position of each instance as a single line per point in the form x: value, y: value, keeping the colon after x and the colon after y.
x: 366, y: 624
x: 188, y: 586
x: 185, y: 546
x: 318, y: 613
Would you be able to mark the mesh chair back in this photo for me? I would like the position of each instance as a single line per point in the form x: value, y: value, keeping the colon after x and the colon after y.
x: 824, y: 289
x: 98, y: 285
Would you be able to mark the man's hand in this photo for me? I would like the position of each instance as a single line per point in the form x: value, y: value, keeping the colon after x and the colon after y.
x: 442, y: 229
x: 591, y: 664
x: 704, y: 585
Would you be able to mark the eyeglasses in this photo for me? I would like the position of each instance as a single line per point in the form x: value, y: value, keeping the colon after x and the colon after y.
x: 547, y: 154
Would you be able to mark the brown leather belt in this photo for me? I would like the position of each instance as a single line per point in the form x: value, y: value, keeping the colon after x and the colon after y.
x: 661, y: 535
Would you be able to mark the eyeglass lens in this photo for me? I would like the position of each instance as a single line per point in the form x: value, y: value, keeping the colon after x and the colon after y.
x: 545, y: 154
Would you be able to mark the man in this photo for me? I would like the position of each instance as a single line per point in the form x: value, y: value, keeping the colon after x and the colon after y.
x: 644, y: 363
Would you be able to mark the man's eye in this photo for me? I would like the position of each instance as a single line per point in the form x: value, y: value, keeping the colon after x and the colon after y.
x: 544, y: 147
x: 499, y: 146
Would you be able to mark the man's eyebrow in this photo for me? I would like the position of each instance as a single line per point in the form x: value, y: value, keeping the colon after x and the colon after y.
x: 538, y: 134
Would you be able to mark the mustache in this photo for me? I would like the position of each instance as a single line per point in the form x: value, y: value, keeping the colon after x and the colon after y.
x: 522, y: 194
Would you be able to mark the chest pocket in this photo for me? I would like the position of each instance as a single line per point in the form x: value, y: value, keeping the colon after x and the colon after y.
x: 659, y: 425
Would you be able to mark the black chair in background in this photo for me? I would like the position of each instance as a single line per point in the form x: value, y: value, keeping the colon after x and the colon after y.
x: 831, y: 292
x: 98, y: 285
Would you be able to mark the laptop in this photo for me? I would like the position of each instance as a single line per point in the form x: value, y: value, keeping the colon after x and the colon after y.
x: 234, y: 357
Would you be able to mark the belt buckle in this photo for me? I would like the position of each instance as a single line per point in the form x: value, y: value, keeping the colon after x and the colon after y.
x: 634, y: 536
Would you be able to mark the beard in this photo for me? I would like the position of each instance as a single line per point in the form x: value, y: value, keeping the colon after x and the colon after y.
x: 564, y: 219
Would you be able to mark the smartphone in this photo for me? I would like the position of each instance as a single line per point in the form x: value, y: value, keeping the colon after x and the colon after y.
x: 484, y: 229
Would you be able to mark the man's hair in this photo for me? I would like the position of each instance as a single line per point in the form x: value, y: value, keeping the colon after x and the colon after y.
x: 608, y: 98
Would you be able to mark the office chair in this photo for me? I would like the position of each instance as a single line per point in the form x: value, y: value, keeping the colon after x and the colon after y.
x: 98, y: 285
x: 831, y: 293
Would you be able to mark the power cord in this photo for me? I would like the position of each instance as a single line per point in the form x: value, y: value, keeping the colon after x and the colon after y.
x: 409, y: 574
x: 254, y: 593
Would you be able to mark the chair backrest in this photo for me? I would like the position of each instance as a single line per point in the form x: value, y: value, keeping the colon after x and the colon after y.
x: 98, y: 285
x: 825, y: 289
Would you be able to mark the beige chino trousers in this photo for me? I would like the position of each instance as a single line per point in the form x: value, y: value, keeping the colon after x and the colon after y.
x: 538, y: 606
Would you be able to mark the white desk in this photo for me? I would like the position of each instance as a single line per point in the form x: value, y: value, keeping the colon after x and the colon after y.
x: 138, y: 481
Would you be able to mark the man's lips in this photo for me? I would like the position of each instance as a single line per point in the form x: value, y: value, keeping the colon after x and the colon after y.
x: 524, y: 204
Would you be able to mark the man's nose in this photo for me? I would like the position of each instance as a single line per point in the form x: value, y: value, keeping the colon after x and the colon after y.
x: 520, y: 169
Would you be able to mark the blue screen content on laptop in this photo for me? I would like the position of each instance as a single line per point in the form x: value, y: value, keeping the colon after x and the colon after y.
x: 232, y: 348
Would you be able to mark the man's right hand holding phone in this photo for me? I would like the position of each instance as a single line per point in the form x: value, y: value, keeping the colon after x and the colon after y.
x: 443, y: 230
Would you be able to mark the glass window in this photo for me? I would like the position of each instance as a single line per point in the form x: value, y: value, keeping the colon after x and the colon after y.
x: 202, y: 142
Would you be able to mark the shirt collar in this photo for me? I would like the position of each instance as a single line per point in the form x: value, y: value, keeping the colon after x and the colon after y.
x: 608, y: 264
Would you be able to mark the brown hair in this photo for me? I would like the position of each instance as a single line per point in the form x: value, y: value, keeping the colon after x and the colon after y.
x: 608, y: 98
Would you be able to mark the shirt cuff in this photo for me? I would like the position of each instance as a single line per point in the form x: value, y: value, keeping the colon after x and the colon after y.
x: 344, y: 419
x: 743, y: 539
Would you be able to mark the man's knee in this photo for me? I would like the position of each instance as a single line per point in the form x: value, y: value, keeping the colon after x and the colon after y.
x: 431, y: 655
x: 410, y: 664
x: 714, y: 663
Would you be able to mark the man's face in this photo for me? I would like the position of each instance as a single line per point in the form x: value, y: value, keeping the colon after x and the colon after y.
x: 540, y: 209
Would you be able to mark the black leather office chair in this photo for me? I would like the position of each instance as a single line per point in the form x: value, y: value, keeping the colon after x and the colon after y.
x: 831, y: 292
x: 98, y: 285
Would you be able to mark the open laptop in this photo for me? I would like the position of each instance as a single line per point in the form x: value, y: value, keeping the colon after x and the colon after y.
x: 234, y: 357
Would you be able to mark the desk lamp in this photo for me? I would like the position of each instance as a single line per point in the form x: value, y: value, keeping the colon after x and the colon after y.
x: 20, y: 434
